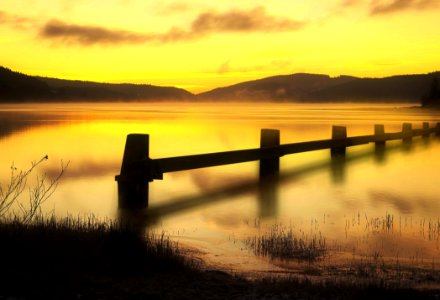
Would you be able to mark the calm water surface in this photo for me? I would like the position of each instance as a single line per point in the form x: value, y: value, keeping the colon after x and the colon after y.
x: 389, y: 206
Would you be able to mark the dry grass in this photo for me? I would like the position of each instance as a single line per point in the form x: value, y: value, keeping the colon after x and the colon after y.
x: 281, y: 243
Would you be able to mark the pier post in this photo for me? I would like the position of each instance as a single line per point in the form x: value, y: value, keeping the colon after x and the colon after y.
x: 269, y: 175
x: 269, y: 167
x: 338, y: 154
x: 379, y: 143
x: 425, y: 127
x: 338, y: 133
x: 379, y: 134
x: 133, y: 180
x: 407, y: 132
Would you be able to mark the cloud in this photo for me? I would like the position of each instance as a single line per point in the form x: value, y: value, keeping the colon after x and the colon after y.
x: 380, y: 7
x: 349, y: 3
x: 274, y: 65
x: 88, y: 35
x: 91, y: 35
x: 224, y: 67
x: 174, y: 7
x: 207, y: 23
x: 18, y: 22
x: 242, y: 21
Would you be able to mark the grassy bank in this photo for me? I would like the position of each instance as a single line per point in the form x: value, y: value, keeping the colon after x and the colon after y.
x: 88, y: 259
x: 71, y: 257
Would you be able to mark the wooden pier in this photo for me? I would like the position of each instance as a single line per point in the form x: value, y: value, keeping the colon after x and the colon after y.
x: 138, y: 169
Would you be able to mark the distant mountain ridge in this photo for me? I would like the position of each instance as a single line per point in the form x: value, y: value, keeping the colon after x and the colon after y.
x: 18, y: 87
x: 323, y: 88
x: 300, y: 87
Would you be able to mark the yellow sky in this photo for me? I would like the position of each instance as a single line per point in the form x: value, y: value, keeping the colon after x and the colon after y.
x: 199, y: 45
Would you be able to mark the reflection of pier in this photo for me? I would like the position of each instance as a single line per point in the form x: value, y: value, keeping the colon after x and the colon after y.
x: 138, y: 169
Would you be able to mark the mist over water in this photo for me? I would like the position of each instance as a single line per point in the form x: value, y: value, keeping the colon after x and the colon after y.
x: 352, y: 205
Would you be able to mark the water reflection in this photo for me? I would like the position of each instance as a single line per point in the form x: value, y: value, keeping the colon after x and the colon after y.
x: 267, y: 190
x: 268, y: 197
x: 10, y: 126
x: 212, y: 204
x: 402, y: 204
x: 182, y: 204
x: 337, y: 168
x: 407, y: 145
x: 86, y: 168
x: 380, y: 153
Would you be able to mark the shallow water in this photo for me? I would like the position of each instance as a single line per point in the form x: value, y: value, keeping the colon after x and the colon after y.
x: 373, y: 205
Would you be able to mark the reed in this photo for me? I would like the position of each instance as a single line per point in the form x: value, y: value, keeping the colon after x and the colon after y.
x: 281, y: 243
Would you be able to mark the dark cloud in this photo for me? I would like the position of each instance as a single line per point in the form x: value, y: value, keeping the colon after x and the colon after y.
x: 88, y: 35
x: 237, y: 20
x: 379, y: 7
x: 93, y: 35
x: 207, y: 23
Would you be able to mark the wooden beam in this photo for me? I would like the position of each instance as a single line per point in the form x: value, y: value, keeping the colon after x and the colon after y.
x: 155, y: 168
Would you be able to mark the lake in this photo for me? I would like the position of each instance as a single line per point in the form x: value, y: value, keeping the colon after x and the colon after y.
x: 387, y: 207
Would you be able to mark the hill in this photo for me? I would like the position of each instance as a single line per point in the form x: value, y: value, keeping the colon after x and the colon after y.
x: 18, y: 87
x: 323, y: 88
x: 300, y: 87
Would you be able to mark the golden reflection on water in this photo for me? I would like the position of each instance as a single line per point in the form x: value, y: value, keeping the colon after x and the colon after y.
x: 214, y: 208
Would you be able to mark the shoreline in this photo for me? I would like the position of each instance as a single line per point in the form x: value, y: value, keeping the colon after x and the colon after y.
x: 55, y: 260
